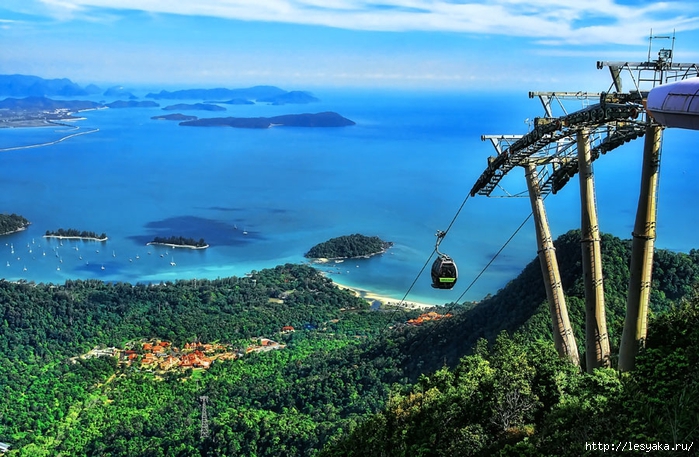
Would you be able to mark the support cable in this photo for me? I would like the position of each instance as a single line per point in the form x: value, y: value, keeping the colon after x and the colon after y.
x: 483, y: 270
x: 440, y: 237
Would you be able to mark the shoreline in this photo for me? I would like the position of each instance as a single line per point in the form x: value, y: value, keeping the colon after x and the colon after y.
x: 39, y: 145
x: 324, y: 260
x: 372, y: 297
x: 175, y: 246
x: 89, y: 238
x: 21, y: 229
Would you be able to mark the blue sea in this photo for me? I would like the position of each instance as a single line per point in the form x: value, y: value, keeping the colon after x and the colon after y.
x: 400, y: 173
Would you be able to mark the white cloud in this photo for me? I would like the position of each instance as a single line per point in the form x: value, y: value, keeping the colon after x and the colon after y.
x: 551, y: 21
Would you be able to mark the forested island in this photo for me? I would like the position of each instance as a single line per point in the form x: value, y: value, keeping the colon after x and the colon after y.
x: 350, y: 381
x: 348, y: 247
x: 11, y: 223
x: 179, y: 241
x: 326, y: 119
x: 75, y: 234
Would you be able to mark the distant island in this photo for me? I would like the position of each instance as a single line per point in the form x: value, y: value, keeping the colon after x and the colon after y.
x: 11, y: 223
x: 75, y: 235
x: 251, y: 93
x: 349, y: 247
x: 119, y: 91
x: 195, y: 106
x: 234, y: 101
x: 179, y: 241
x: 175, y: 117
x: 132, y: 104
x: 261, y: 94
x: 295, y: 97
x: 326, y: 119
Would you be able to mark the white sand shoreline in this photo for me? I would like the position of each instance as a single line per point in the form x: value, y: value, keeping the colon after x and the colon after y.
x: 89, y: 238
x: 372, y: 297
x: 49, y: 143
x: 175, y: 246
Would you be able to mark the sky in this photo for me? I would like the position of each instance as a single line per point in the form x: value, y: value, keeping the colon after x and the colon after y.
x: 301, y: 44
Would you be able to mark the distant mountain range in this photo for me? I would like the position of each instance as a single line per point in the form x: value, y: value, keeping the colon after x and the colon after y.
x: 264, y: 94
x: 35, y: 86
x: 27, y: 86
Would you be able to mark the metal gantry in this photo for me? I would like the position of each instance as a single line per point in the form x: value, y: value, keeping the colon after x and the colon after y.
x: 559, y: 147
x: 204, y: 431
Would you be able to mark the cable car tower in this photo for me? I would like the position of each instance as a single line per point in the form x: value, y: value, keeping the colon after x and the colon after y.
x: 557, y: 148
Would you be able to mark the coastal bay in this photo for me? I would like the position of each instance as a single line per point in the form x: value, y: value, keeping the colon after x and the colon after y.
x: 288, y: 189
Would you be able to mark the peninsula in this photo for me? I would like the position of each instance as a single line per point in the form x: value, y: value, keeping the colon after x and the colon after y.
x: 74, y: 234
x: 325, y: 119
x: 179, y: 242
x: 349, y: 247
x: 11, y: 223
x: 40, y: 111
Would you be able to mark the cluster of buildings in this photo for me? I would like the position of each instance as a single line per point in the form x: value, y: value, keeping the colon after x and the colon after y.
x: 426, y: 317
x: 162, y: 355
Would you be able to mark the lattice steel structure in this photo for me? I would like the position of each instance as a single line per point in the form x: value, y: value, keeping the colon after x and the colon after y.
x: 559, y: 147
x: 204, y: 431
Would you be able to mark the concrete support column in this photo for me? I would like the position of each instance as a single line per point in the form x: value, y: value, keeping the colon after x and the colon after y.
x: 563, y: 337
x: 596, y: 339
x: 635, y: 323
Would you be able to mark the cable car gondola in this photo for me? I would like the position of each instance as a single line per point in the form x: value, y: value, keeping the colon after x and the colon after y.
x: 444, y: 271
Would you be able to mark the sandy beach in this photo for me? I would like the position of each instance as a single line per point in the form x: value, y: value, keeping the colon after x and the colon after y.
x: 86, y: 238
x: 385, y: 301
x: 175, y: 246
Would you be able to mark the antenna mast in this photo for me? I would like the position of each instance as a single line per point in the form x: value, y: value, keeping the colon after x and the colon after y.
x: 204, y: 433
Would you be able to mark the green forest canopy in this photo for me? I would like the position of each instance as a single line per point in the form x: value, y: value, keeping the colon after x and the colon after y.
x: 349, y: 246
x: 345, y: 370
x: 11, y: 223
x: 180, y: 241
x: 61, y: 232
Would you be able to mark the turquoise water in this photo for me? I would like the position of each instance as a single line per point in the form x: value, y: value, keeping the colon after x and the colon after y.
x: 400, y: 173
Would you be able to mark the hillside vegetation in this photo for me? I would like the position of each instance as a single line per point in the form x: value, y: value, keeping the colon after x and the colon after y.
x: 515, y: 396
x: 423, y: 390
x: 519, y: 398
